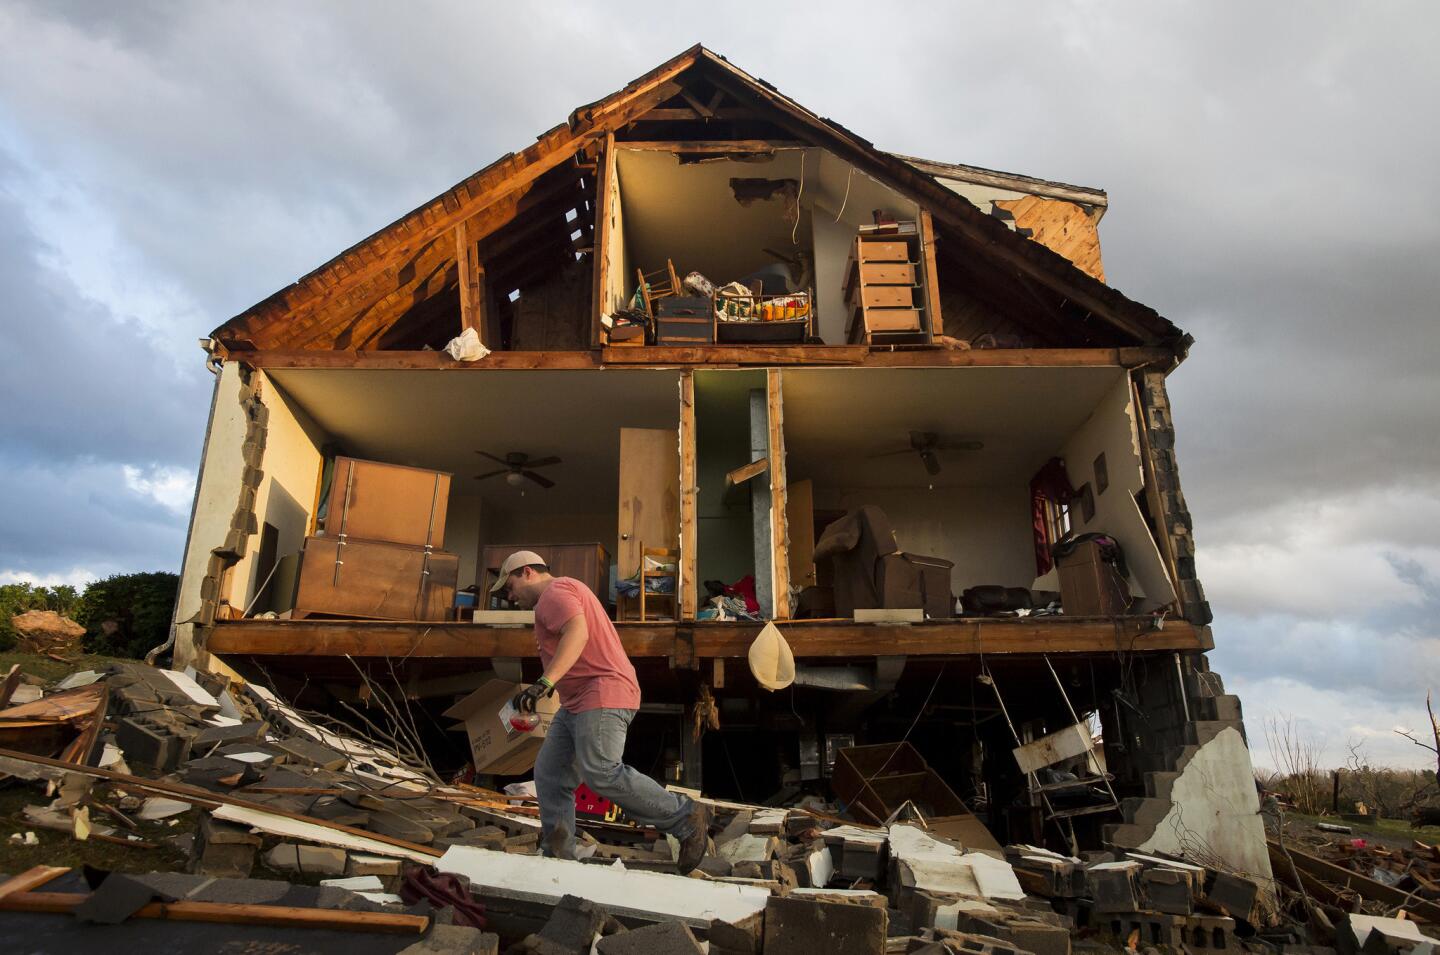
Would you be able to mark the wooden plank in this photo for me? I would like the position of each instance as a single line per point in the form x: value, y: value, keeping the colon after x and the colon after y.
x: 936, y: 638
x: 932, y: 275
x: 601, y: 256
x: 689, y: 578
x: 780, y: 543
x: 1363, y: 886
x: 31, y: 878
x: 229, y: 913
x: 1152, y: 495
x: 668, y: 357
x: 746, y: 471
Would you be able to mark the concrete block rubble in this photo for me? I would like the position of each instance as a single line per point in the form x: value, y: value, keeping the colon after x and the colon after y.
x: 263, y: 819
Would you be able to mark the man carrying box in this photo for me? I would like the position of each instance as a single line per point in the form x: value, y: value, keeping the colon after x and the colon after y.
x: 599, y: 696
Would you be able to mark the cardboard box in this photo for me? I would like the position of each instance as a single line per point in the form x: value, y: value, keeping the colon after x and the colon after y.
x: 494, y: 745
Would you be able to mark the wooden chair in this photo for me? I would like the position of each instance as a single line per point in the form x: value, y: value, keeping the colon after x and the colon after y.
x: 645, y: 599
x: 657, y: 285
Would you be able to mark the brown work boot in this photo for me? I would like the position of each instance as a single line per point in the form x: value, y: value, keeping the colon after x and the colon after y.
x: 693, y: 846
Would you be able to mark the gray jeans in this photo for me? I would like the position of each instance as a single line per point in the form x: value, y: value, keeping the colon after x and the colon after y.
x: 590, y: 747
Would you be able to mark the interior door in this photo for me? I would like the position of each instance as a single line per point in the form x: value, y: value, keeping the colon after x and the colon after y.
x: 649, y: 495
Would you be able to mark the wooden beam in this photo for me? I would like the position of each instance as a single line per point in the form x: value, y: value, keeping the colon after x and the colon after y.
x: 232, y: 913
x: 937, y: 638
x: 746, y: 471
x: 695, y: 104
x: 1361, y: 885
x: 665, y: 114
x: 601, y: 259
x: 472, y: 282
x: 689, y: 581
x: 780, y: 540
x: 712, y: 146
x: 932, y: 276
x: 1152, y: 495
x: 31, y: 878
x: 857, y: 356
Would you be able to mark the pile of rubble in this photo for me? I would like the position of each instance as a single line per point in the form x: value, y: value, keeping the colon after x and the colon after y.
x: 264, y: 801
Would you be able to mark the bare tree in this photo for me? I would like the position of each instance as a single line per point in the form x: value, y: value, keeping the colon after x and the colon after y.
x: 1299, y: 762
x: 1434, y: 732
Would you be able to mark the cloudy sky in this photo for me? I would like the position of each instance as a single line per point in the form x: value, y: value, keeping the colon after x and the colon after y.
x: 1271, y: 170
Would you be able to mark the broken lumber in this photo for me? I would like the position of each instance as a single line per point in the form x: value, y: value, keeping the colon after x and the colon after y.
x: 275, y: 916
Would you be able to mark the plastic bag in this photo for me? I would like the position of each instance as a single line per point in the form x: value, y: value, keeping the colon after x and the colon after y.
x: 466, y: 346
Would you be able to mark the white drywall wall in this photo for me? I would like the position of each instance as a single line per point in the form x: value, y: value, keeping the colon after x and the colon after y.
x: 1111, y: 430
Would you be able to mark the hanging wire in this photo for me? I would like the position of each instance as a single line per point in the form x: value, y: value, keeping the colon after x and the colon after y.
x: 846, y: 201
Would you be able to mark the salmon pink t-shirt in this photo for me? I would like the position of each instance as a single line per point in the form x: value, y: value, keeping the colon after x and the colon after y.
x: 603, y: 677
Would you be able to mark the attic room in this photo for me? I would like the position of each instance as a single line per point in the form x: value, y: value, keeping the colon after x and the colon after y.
x: 786, y: 218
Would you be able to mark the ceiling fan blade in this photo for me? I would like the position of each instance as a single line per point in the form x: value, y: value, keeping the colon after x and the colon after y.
x: 958, y: 444
x: 923, y: 440
x: 487, y: 454
x: 932, y: 463
x: 542, y: 463
x: 490, y: 474
x: 539, y: 479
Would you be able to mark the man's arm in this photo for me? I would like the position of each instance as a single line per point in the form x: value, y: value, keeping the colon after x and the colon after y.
x: 573, y: 637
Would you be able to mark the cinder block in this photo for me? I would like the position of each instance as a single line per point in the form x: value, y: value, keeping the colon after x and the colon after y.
x: 665, y: 938
x: 803, y: 927
x: 320, y: 860
x: 1022, y: 931
x: 1168, y: 890
x: 222, y: 850
x: 1155, y: 928
x: 1210, y: 933
x: 573, y: 925
x: 1115, y: 886
x: 455, y: 940
x: 1233, y: 894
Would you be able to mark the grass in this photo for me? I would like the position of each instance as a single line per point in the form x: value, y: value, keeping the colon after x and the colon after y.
x: 51, y: 670
x: 60, y: 848
x: 1387, y: 828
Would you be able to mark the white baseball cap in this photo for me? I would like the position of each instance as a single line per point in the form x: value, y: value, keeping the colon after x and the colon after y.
x: 521, y: 558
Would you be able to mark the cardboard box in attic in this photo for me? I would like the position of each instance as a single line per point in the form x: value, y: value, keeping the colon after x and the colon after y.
x: 495, y: 746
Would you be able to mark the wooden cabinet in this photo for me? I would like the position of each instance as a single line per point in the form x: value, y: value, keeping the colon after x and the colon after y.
x: 588, y: 563
x: 884, y: 291
x: 387, y: 502
x: 374, y: 580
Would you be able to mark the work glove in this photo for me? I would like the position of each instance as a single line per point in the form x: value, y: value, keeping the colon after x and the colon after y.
x: 526, y: 700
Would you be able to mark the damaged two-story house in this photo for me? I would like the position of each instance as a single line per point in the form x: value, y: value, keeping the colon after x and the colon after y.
x: 729, y: 363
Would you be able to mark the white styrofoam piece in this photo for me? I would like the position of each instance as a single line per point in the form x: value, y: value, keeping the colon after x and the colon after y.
x: 312, y: 832
x: 357, y: 883
x: 383, y: 897
x: 110, y: 755
x: 251, y: 757
x: 874, y: 837
x: 76, y: 680
x: 940, y: 867
x: 1164, y: 863
x: 821, y: 866
x: 158, y: 807
x: 948, y: 916
x: 26, y: 693
x: 228, y: 709
x: 746, y: 848
x: 614, y: 888
x: 220, y: 719
x: 1030, y: 852
x: 1363, y: 925
x: 190, y: 688
x: 838, y: 893
x: 768, y: 817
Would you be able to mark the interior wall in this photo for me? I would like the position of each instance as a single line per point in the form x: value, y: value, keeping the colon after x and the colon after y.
x: 725, y: 536
x: 462, y: 533
x: 1111, y: 430
x: 985, y: 531
x: 286, y: 496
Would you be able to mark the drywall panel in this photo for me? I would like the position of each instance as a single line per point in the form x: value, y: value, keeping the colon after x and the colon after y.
x: 1111, y: 430
x: 985, y: 531
x: 832, y: 242
x: 286, y: 496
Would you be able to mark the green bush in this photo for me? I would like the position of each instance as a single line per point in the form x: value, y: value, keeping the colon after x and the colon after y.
x: 17, y: 598
x: 128, y: 614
